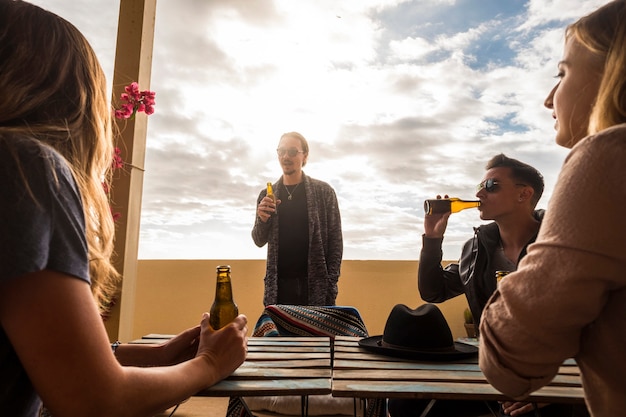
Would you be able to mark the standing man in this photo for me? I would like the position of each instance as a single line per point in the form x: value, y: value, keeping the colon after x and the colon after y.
x: 305, y: 243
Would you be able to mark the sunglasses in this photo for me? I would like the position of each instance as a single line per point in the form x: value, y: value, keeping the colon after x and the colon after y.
x: 291, y: 152
x: 491, y: 186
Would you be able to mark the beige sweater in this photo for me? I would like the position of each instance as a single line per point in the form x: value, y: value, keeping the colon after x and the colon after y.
x: 568, y: 296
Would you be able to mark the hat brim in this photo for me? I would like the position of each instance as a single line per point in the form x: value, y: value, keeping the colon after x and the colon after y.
x: 461, y: 351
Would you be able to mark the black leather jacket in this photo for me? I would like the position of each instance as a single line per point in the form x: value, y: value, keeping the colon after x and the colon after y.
x: 473, y: 275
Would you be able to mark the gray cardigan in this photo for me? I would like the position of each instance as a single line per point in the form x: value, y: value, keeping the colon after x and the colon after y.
x: 325, y: 243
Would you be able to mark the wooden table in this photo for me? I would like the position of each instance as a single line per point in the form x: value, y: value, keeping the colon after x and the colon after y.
x: 360, y: 373
x: 275, y: 366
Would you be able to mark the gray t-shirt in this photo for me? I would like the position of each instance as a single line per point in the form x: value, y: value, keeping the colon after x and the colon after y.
x: 43, y: 228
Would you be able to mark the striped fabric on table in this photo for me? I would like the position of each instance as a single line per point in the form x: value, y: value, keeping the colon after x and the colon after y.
x: 293, y: 320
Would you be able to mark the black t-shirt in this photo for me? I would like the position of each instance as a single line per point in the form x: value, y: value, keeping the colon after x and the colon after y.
x: 293, y: 247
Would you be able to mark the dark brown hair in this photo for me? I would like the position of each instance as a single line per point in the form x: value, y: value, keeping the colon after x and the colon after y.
x: 520, y: 172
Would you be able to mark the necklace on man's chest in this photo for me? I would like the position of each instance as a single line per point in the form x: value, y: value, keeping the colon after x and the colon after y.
x: 290, y: 197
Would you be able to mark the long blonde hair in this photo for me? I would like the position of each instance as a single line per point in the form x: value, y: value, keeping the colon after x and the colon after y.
x: 603, y: 32
x: 53, y: 89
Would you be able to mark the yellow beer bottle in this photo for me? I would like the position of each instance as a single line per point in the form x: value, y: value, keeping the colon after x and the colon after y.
x: 270, y: 194
x: 224, y: 309
x: 448, y: 205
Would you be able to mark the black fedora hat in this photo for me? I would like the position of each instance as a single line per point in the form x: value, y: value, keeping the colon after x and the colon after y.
x: 422, y: 333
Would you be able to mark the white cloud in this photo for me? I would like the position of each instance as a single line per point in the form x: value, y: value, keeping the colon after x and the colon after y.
x: 541, y: 12
x: 400, y: 100
x: 411, y: 49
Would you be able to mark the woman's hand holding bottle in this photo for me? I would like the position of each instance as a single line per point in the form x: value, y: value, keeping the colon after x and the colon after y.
x: 223, y: 350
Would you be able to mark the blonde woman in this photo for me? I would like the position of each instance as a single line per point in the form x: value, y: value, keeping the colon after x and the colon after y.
x: 568, y: 296
x: 56, y: 236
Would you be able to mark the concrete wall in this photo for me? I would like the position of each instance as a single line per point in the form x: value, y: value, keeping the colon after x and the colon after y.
x: 172, y: 294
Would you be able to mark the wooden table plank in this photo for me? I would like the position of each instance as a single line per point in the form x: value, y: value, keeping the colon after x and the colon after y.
x: 429, y: 375
x: 442, y: 390
x: 286, y: 364
x: 278, y: 348
x: 301, y: 386
x: 295, y: 342
x: 256, y: 372
x: 287, y: 354
x: 153, y: 338
x: 289, y: 341
x: 158, y: 336
x: 340, y: 363
x: 408, y: 375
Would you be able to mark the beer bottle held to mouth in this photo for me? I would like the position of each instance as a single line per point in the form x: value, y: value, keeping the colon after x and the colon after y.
x: 448, y: 205
x: 224, y: 310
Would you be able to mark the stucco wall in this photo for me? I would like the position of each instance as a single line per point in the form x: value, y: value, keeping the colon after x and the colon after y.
x: 172, y: 294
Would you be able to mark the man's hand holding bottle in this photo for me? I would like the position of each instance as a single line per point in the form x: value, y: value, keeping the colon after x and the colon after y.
x: 268, y: 205
x: 435, y: 224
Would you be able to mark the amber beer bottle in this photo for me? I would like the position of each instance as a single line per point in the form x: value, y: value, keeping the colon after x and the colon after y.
x: 270, y: 193
x: 224, y: 309
x: 500, y: 275
x: 448, y: 205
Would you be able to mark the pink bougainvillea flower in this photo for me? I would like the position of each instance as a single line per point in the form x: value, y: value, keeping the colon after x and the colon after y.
x: 135, y: 101
x: 116, y: 215
x: 117, y: 158
x: 125, y: 112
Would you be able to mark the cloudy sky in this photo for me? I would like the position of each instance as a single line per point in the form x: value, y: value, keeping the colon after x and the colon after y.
x: 400, y: 100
